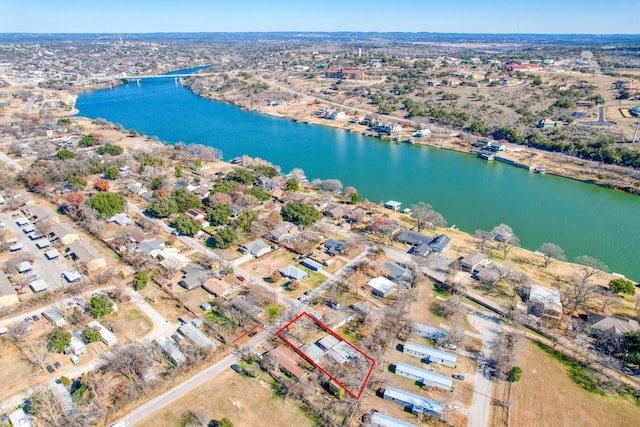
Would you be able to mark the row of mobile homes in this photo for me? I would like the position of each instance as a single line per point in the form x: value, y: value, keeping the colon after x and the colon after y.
x: 430, y: 355
x: 418, y: 405
x: 424, y: 377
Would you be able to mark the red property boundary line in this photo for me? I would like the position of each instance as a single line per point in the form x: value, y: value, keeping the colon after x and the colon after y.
x: 308, y: 359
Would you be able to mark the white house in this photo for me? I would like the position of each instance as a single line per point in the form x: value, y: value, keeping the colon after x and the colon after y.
x: 378, y: 419
x: 424, y: 377
x: 431, y: 332
x: 381, y: 286
x: 256, y: 248
x: 107, y: 336
x: 417, y: 404
x: 170, y: 350
x: 430, y: 355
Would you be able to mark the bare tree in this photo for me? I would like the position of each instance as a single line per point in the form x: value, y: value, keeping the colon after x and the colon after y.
x: 484, y: 237
x: 578, y: 294
x: 37, y: 353
x: 193, y: 418
x: 46, y: 406
x: 590, y: 267
x: 16, y: 333
x: 550, y: 252
x: 505, y: 239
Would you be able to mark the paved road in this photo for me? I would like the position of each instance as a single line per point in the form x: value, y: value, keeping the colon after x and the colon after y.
x: 490, y: 327
x: 602, y: 120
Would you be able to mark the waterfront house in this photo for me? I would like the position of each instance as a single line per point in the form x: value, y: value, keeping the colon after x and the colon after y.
x: 393, y: 205
x: 471, y: 262
x: 440, y: 243
x: 544, y: 302
x: 267, y: 183
x: 612, y: 326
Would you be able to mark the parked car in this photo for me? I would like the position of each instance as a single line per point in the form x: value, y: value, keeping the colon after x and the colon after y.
x: 57, y: 365
x: 50, y: 369
x: 458, y: 377
x: 237, y: 368
x: 176, y: 337
x: 35, y: 317
x: 450, y: 346
x: 308, y: 292
x: 241, y: 278
x: 74, y: 359
x: 253, y: 333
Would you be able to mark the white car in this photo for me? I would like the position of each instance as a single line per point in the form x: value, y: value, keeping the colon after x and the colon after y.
x: 74, y: 359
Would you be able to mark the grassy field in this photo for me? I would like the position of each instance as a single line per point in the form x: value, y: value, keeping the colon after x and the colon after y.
x: 245, y: 401
x: 547, y: 396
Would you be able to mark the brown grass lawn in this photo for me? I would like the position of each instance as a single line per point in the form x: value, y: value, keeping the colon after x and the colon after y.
x: 129, y: 323
x: 245, y: 401
x: 548, y: 397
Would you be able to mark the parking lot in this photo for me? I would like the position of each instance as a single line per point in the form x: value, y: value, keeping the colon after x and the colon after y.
x: 48, y: 270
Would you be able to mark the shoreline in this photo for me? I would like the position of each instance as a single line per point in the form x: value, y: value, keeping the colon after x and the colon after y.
x: 560, y: 165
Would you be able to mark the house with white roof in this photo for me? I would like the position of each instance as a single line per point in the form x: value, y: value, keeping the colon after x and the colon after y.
x: 430, y: 355
x: 381, y: 286
x: 424, y: 377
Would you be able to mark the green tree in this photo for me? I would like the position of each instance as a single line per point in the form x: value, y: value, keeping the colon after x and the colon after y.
x: 479, y: 128
x: 140, y: 281
x: 64, y: 154
x: 245, y: 219
x: 623, y: 286
x: 300, y: 213
x: 177, y: 171
x: 259, y: 193
x: 225, y: 422
x: 514, y: 375
x: 107, y: 204
x: 219, y: 215
x: 59, y: 339
x: 133, y: 132
x: 265, y: 170
x: 112, y: 172
x: 92, y: 334
x: 77, y: 182
x: 114, y: 150
x: 291, y: 185
x: 243, y: 176
x: 185, y: 199
x: 88, y: 140
x: 355, y: 198
x: 224, y: 238
x: 185, y: 225
x: 100, y: 305
x: 631, y: 347
x: 225, y: 187
x: 162, y: 207
x: 157, y: 182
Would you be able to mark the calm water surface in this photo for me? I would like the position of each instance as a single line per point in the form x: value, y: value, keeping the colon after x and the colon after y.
x: 470, y: 193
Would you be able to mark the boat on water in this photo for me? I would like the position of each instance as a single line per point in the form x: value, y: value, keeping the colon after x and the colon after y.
x: 541, y: 171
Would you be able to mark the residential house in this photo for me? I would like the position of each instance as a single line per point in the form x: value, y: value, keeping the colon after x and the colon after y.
x: 63, y: 232
x: 37, y: 213
x: 413, y: 238
x: 195, y: 336
x: 82, y: 251
x: 194, y: 275
x: 424, y: 377
x: 151, y: 248
x: 284, y: 231
x: 267, y: 183
x: 121, y: 219
x: 333, y: 247
x: 607, y: 325
x: 172, y: 259
x: 381, y: 286
x: 107, y: 337
x: 378, y: 419
x: 440, y: 243
x: 344, y: 74
x: 388, y: 128
x: 334, y: 114
x: 276, y: 102
x: 437, y: 267
x: 199, y: 216
x: 202, y: 192
x: 257, y: 248
x: 218, y: 288
x: 471, y: 262
x: 54, y: 316
x: 430, y: 355
x: 170, y: 350
x: 138, y: 236
x: 418, y: 405
x: 336, y: 211
x: 336, y: 319
x: 249, y: 308
x: 397, y: 272
x: 489, y: 273
x: 293, y: 272
x: 544, y: 302
x: 287, y: 360
x: 8, y: 295
x: 431, y: 332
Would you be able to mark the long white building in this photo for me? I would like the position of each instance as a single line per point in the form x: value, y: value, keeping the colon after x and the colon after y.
x: 424, y: 377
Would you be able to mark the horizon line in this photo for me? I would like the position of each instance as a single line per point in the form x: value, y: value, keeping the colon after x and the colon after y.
x: 319, y: 32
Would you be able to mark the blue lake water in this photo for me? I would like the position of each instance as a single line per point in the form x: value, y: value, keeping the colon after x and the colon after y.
x: 471, y: 193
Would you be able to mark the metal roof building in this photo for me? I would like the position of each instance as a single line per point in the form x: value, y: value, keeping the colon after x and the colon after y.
x: 192, y: 333
x: 170, y: 349
x: 431, y: 354
x: 378, y: 419
x: 107, y: 336
x: 417, y: 404
x: 423, y: 376
x: 431, y: 332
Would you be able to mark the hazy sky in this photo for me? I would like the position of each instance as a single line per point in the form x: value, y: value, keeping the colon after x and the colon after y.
x: 468, y: 16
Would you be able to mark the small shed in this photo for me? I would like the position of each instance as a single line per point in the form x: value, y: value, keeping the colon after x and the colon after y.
x: 38, y: 285
x: 71, y: 275
x: 54, y: 316
x: 43, y: 243
x: 24, y: 267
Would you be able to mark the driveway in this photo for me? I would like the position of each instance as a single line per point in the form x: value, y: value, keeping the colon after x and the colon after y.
x: 490, y: 328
